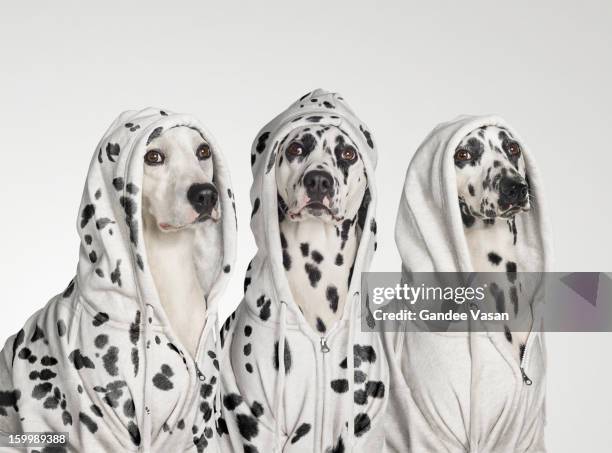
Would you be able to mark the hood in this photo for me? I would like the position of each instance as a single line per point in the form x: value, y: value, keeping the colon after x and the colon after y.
x: 323, y: 107
x: 429, y: 229
x: 113, y: 275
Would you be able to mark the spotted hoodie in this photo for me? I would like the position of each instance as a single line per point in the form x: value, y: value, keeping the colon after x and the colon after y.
x: 457, y: 392
x: 327, y: 393
x: 100, y: 360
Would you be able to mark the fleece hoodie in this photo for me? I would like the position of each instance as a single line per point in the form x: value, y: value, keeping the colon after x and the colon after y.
x: 306, y: 402
x: 100, y: 360
x: 457, y: 391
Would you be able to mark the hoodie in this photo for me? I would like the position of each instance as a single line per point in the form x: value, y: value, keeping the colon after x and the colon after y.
x: 310, y: 401
x: 100, y: 361
x: 462, y: 391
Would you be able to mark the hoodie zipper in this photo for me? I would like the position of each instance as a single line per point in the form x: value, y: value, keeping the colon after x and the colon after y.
x: 524, y: 361
x: 324, y: 345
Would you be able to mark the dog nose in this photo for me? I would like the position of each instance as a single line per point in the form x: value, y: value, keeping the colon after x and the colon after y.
x: 319, y: 184
x: 202, y: 197
x: 514, y: 190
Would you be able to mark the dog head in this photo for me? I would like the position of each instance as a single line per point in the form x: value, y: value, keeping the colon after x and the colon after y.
x: 320, y: 174
x: 178, y: 188
x: 491, y: 175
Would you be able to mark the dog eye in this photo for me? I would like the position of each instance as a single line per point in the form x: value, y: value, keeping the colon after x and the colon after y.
x: 463, y: 154
x: 154, y: 157
x: 203, y: 151
x: 295, y: 149
x: 513, y: 149
x: 349, y: 153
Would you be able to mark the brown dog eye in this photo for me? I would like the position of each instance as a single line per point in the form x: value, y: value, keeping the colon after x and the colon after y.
x: 203, y: 152
x: 463, y: 154
x: 349, y: 153
x: 295, y: 149
x: 514, y: 149
x: 154, y: 157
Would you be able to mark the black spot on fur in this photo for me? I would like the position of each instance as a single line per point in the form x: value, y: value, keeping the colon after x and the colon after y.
x: 17, y: 342
x: 314, y: 274
x: 256, y: 204
x: 87, y: 214
x: 339, y: 259
x: 362, y: 424
x: 261, y: 142
x: 316, y: 257
x: 134, y: 433
x: 112, y: 151
x: 286, y: 259
x: 110, y: 360
x: 118, y: 183
x: 304, y: 248
x: 508, y: 334
x: 321, y: 325
x: 332, y: 297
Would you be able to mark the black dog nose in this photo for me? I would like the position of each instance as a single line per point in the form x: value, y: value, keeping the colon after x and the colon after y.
x: 319, y: 184
x: 514, y: 190
x: 203, y: 197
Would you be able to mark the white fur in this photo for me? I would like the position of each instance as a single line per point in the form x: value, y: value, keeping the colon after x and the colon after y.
x: 183, y: 267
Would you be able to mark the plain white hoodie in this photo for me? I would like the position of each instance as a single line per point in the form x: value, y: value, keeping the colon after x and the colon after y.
x: 456, y: 391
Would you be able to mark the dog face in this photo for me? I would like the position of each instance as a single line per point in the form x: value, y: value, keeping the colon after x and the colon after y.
x: 491, y: 177
x: 320, y: 174
x: 178, y: 189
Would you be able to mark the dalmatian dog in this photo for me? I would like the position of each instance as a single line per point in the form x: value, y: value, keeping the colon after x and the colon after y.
x: 180, y: 202
x: 493, y: 190
x: 321, y: 181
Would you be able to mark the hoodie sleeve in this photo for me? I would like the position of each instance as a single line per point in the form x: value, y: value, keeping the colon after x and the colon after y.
x: 9, y: 395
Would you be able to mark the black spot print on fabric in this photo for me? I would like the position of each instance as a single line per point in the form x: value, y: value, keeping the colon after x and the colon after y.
x: 25, y: 354
x: 206, y: 390
x: 247, y: 349
x: 88, y: 422
x: 256, y: 205
x: 227, y: 268
x: 314, y: 118
x: 69, y: 289
x: 367, y: 136
x: 139, y: 262
x: 511, y: 271
x: 365, y: 353
x: 61, y: 327
x: 130, y: 209
x: 48, y: 361
x: 161, y: 380
x: 321, y: 325
x: 248, y: 330
x: 18, y: 341
x: 96, y: 410
x: 135, y: 360
x: 331, y: 293
x: 249, y: 367
x: 66, y: 418
x: 508, y: 334
x: 360, y: 397
x: 494, y: 258
x: 314, y: 274
x: 41, y: 390
x: 360, y: 376
x: 115, y: 275
x: 261, y: 142
x: 375, y: 389
x: 131, y: 188
x: 79, y: 360
x: 110, y: 360
x: 38, y: 334
x: 302, y: 430
x: 129, y: 409
x: 231, y: 401
x: 118, y: 183
x: 265, y: 312
x: 100, y: 319
x: 156, y: 133
x: 103, y: 222
x: 339, y: 385
x: 135, y: 329
x: 338, y: 448
x: 93, y: 257
x: 99, y: 273
x: 88, y: 239
x: 87, y: 214
x: 247, y: 426
x: 257, y: 409
x: 134, y: 433
x: 287, y: 357
x: 329, y: 105
x: 362, y: 424
x: 112, y: 151
x: 498, y: 296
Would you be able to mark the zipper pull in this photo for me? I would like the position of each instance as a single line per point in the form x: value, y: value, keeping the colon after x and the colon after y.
x: 199, y: 373
x: 526, y: 379
x: 324, y: 347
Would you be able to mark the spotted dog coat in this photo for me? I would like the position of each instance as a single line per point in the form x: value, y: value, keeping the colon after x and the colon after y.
x: 100, y: 361
x: 489, y: 217
x: 288, y: 382
x: 319, y: 247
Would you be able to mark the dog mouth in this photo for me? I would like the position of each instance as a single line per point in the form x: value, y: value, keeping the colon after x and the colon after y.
x: 315, y: 208
x: 512, y: 210
x: 213, y: 216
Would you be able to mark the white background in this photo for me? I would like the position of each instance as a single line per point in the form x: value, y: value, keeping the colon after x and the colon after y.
x: 67, y: 70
